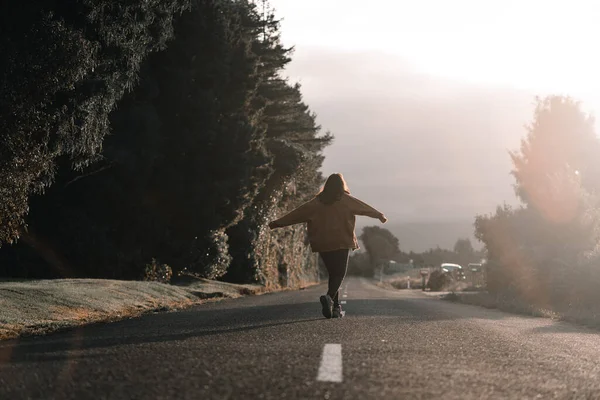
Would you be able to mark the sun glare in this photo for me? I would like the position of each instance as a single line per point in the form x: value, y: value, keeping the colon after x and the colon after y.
x: 531, y: 45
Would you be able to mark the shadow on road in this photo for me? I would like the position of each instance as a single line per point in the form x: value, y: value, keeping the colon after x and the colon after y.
x: 220, y: 319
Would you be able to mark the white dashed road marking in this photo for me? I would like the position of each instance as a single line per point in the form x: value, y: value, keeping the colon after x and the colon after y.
x: 330, y: 369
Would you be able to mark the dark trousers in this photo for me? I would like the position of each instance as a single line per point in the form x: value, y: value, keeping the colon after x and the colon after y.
x: 336, y: 263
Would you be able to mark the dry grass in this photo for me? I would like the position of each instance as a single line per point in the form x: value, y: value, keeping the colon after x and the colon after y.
x: 553, y: 291
x: 514, y: 305
x: 45, y: 306
x: 402, y: 283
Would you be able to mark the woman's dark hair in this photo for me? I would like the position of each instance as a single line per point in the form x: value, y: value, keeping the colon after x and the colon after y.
x: 334, y: 189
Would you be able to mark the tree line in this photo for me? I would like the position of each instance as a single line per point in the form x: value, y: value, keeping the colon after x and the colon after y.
x: 381, y: 246
x: 149, y: 130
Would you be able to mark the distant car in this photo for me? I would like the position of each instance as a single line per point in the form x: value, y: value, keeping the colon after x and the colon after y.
x: 474, y: 267
x: 455, y: 270
x: 449, y: 267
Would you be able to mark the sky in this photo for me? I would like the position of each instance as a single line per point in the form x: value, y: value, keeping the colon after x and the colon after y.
x: 425, y: 98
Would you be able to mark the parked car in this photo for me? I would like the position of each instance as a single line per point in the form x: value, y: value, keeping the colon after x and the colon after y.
x: 454, y: 270
x: 474, y: 267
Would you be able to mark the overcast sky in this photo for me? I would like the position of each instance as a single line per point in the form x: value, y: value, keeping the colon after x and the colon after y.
x: 425, y: 98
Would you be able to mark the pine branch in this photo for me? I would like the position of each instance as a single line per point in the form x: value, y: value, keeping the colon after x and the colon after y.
x: 88, y: 174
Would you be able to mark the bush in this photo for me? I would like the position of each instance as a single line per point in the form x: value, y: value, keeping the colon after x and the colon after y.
x: 438, y: 280
x: 210, y: 257
x: 156, y: 272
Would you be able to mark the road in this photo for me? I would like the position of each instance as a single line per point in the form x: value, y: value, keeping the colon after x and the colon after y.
x: 390, y: 345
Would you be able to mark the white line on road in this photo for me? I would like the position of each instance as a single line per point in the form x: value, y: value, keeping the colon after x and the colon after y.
x: 343, y: 302
x: 330, y: 369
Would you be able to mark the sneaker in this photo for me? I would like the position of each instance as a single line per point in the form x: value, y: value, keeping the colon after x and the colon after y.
x: 337, y: 312
x: 327, y: 303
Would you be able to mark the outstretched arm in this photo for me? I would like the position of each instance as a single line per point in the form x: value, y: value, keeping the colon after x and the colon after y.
x: 358, y: 207
x: 296, y: 216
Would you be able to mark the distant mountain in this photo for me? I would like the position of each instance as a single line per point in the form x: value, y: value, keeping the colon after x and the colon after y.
x: 421, y: 236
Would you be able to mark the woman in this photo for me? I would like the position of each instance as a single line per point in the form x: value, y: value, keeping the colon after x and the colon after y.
x: 330, y: 219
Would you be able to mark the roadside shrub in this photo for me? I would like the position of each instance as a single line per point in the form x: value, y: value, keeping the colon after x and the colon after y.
x: 438, y: 280
x: 156, y: 272
x: 210, y: 256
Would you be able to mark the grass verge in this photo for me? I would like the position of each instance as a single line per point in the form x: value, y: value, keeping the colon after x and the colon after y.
x: 588, y: 317
x: 45, y: 306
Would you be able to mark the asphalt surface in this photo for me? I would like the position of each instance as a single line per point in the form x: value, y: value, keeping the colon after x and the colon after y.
x: 390, y: 345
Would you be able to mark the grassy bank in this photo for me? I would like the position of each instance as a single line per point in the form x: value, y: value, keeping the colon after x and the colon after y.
x: 44, y: 306
x: 589, y: 317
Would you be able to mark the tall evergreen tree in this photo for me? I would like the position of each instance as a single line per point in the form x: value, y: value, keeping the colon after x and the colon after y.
x: 295, y: 144
x: 184, y: 161
x: 63, y: 67
x: 210, y: 141
x: 557, y: 177
x: 560, y: 149
x: 381, y: 244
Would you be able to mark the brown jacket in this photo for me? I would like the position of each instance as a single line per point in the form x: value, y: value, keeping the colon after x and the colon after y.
x: 330, y: 227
